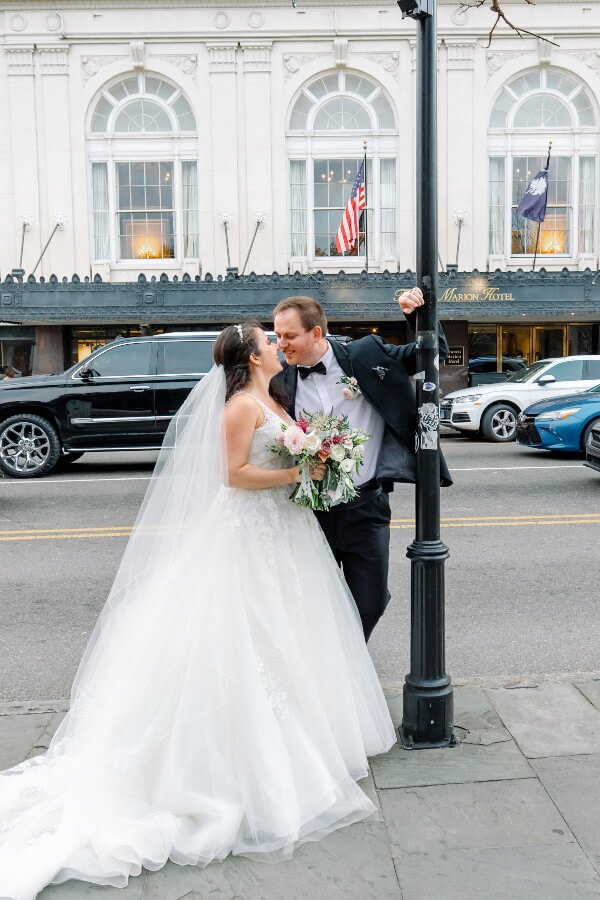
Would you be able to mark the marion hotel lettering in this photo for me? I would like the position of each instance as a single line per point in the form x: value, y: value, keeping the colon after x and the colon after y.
x: 486, y: 294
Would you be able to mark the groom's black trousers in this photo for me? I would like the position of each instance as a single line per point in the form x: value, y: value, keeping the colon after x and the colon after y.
x: 358, y: 533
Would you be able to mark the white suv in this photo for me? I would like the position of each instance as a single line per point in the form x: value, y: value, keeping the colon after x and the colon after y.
x: 492, y: 409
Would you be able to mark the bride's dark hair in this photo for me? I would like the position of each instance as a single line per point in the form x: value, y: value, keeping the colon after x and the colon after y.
x: 233, y: 350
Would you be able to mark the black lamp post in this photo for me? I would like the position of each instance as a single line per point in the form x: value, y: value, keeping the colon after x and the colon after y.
x: 428, y: 699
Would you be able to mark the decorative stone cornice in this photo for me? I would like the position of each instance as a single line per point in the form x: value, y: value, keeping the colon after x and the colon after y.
x: 187, y: 64
x: 495, y: 59
x: 221, y: 55
x: 461, y: 16
x: 91, y: 65
x: 137, y: 50
x: 53, y: 21
x: 293, y: 62
x: 340, y: 52
x: 461, y: 54
x: 590, y: 57
x: 463, y: 295
x: 389, y: 62
x: 257, y: 55
x: 20, y: 60
x: 545, y: 52
x: 54, y: 60
x: 17, y: 22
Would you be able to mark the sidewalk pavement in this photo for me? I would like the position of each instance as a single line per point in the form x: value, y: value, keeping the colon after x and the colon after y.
x: 513, y: 813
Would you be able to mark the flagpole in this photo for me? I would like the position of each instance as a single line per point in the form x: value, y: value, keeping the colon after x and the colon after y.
x: 366, y: 212
x: 537, y: 240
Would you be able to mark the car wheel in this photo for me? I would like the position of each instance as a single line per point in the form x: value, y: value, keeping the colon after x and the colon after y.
x: 29, y: 446
x: 499, y: 423
x: 586, y: 433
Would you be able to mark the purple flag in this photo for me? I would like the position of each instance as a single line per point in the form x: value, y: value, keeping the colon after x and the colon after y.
x: 533, y: 202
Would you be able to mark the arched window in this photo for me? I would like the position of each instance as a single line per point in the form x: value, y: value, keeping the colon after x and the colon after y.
x: 532, y: 109
x: 329, y: 122
x: 142, y: 147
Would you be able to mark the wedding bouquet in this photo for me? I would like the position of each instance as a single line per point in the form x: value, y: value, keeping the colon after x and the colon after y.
x: 315, y: 438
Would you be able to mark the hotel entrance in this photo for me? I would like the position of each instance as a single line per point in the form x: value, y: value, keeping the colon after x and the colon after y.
x: 533, y: 342
x: 504, y: 346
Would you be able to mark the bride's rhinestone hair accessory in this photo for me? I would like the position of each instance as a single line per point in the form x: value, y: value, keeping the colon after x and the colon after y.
x: 239, y: 330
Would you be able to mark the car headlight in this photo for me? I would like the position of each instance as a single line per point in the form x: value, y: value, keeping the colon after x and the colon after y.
x: 467, y: 398
x: 559, y: 413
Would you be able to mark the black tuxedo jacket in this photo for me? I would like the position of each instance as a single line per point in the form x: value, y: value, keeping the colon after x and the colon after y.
x: 392, y: 396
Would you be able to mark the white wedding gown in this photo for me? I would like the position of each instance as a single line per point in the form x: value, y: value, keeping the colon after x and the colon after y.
x: 229, y: 707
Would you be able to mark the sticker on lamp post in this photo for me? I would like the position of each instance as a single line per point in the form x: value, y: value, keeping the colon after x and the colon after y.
x: 429, y: 420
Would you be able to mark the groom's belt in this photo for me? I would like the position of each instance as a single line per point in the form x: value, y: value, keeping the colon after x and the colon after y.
x: 367, y: 491
x: 371, y: 485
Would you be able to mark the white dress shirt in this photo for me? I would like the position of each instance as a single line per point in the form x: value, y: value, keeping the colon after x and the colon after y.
x: 322, y: 393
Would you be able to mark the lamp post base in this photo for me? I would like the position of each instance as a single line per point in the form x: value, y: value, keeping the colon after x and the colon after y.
x: 428, y: 692
x: 427, y: 716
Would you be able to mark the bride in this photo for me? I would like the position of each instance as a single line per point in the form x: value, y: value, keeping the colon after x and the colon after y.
x: 226, y: 701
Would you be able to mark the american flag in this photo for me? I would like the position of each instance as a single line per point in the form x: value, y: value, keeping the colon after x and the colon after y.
x: 347, y: 234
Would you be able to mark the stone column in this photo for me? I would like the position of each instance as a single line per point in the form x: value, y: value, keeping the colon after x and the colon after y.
x: 256, y: 169
x: 54, y: 128
x: 22, y: 161
x: 460, y: 105
x: 224, y: 137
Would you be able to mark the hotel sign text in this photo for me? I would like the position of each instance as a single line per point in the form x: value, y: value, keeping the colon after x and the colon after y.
x: 485, y: 294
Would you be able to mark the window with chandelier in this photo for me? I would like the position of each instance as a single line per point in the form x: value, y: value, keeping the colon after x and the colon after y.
x: 142, y: 146
x: 331, y: 118
x: 536, y: 107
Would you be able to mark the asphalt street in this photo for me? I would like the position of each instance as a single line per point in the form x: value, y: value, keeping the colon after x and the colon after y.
x: 522, y: 580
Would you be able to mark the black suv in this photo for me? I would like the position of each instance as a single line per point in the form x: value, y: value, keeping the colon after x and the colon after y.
x: 121, y: 397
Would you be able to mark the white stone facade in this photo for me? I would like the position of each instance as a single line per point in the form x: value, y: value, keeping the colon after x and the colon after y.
x: 242, y: 68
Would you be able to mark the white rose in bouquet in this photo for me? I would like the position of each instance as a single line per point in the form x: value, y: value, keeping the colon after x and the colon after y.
x: 337, y: 453
x: 347, y: 465
x: 294, y: 440
x: 312, y: 443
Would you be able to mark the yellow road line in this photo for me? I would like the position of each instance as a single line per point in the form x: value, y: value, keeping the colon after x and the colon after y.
x: 537, y: 518
x: 108, y: 531
x: 61, y: 536
x: 88, y: 530
x: 508, y: 523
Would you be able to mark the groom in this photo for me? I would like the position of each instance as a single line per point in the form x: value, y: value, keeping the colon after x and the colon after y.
x: 358, y: 532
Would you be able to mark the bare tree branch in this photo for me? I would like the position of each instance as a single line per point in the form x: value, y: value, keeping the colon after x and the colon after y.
x: 496, y: 6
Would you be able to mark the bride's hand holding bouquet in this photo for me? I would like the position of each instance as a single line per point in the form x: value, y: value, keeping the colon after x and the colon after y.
x: 328, y: 452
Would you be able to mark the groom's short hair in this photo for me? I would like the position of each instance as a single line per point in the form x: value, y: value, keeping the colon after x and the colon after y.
x: 310, y: 311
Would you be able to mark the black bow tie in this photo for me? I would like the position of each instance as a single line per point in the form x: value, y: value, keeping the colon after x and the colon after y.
x: 305, y: 371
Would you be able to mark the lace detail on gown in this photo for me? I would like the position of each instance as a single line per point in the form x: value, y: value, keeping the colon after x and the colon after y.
x: 270, y: 508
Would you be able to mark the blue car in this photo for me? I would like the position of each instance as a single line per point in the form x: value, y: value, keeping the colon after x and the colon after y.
x: 561, y: 424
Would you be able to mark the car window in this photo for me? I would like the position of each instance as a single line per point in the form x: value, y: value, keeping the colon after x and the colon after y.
x: 185, y: 357
x: 528, y: 373
x: 569, y: 370
x: 591, y: 369
x: 124, y: 360
x: 488, y: 365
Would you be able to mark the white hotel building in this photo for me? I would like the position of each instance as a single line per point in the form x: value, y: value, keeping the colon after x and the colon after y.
x: 148, y: 138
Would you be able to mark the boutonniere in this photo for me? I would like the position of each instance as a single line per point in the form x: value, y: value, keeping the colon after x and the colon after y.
x: 351, y: 389
x: 380, y: 371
